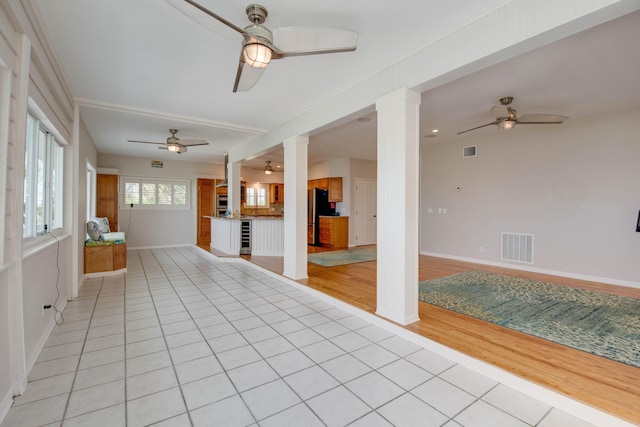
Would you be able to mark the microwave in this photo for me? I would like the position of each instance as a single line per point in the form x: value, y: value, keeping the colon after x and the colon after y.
x: 221, y: 201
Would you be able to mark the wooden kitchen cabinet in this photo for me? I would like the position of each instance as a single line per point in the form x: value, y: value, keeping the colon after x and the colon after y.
x: 335, y: 189
x: 334, y: 232
x: 333, y: 185
x: 276, y: 193
x: 322, y: 183
x: 220, y: 190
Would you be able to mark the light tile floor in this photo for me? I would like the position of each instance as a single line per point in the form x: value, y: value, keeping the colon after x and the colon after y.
x: 187, y: 340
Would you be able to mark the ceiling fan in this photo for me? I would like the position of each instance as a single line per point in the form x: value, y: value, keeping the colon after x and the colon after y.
x: 268, y: 169
x: 175, y: 144
x: 258, y: 48
x: 507, y: 117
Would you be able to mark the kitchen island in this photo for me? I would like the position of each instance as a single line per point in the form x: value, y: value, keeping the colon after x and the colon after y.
x: 266, y: 235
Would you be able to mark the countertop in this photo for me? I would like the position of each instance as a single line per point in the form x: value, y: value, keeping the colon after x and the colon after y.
x: 264, y: 217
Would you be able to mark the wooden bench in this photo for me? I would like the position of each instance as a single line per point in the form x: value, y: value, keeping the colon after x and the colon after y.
x: 109, y: 255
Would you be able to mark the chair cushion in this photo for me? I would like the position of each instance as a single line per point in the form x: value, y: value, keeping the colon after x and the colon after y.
x: 116, y: 237
x: 103, y: 223
x: 93, y: 230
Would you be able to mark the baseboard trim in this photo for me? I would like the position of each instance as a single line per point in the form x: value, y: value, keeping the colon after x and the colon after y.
x: 104, y: 274
x: 394, y: 317
x: 588, y: 278
x: 33, y: 357
x: 5, y: 404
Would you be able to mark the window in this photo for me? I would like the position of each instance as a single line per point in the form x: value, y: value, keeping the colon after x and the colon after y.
x: 251, y: 196
x: 156, y: 193
x: 257, y: 196
x: 43, y: 180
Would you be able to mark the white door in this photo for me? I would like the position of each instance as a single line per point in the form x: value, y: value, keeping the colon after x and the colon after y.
x: 366, y: 202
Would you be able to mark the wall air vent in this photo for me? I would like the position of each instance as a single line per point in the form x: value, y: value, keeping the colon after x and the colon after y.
x: 469, y: 151
x: 517, y: 247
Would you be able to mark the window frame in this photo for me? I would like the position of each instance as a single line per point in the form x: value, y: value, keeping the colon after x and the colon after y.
x: 257, y: 197
x: 155, y: 197
x: 43, y: 192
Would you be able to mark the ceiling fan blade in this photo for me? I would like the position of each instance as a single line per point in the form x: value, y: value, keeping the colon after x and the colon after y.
x: 246, y: 77
x: 204, y: 20
x: 541, y: 119
x: 192, y: 142
x: 146, y: 142
x: 495, y: 122
x: 187, y: 7
x: 310, y: 40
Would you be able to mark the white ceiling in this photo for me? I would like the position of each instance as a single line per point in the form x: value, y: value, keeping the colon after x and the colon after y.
x: 141, y: 67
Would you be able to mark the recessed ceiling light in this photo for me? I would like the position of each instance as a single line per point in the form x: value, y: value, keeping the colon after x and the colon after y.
x: 434, y: 130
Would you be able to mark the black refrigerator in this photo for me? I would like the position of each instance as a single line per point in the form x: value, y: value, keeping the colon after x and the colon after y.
x: 318, y: 204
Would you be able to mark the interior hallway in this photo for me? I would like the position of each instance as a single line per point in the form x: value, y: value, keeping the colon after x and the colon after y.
x: 187, y: 339
x: 610, y: 386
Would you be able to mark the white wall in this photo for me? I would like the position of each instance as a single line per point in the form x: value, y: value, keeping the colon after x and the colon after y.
x: 318, y: 170
x: 574, y: 186
x: 88, y: 153
x: 254, y: 175
x: 366, y: 169
x: 160, y: 227
x: 40, y: 290
x: 5, y: 344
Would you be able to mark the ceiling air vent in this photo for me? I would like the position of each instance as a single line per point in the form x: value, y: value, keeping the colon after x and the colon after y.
x: 469, y: 151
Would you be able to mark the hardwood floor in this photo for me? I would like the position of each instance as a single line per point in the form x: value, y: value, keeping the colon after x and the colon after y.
x: 610, y: 386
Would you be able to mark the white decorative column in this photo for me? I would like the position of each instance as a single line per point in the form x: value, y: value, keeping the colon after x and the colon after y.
x: 233, y: 186
x: 398, y: 173
x: 295, y: 207
x: 15, y: 321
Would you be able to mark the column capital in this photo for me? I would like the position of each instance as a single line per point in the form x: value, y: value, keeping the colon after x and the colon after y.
x: 294, y: 140
x: 402, y: 95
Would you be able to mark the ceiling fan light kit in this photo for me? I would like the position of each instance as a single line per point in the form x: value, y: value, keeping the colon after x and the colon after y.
x: 181, y: 149
x: 256, y: 55
x: 506, y: 124
x: 173, y: 147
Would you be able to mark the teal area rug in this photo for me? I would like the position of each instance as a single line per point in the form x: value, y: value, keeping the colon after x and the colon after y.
x: 595, y: 322
x: 349, y: 256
